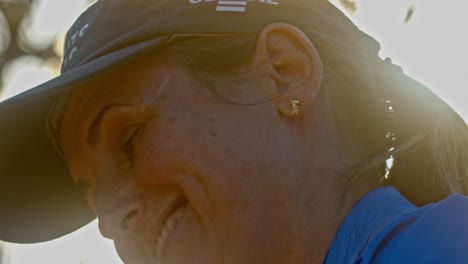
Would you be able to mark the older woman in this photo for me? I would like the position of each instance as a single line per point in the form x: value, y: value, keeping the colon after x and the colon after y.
x: 235, y: 132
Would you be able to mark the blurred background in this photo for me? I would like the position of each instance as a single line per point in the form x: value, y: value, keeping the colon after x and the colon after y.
x: 426, y: 37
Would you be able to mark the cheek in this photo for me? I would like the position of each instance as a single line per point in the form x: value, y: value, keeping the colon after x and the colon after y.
x: 223, y: 164
x: 170, y: 146
x: 228, y: 154
x: 178, y: 141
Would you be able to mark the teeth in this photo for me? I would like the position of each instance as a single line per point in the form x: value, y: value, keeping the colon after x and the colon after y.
x: 166, y: 230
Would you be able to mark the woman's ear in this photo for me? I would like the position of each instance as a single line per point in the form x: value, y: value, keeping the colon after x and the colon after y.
x: 294, y: 65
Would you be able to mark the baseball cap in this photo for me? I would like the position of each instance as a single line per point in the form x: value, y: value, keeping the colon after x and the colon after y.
x: 38, y: 200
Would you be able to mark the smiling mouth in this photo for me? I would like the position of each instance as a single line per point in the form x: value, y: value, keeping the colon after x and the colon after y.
x: 168, y: 227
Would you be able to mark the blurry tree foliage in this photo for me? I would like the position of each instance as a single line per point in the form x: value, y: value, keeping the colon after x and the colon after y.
x: 410, y: 13
x: 13, y: 12
x: 349, y: 5
x: 15, y: 21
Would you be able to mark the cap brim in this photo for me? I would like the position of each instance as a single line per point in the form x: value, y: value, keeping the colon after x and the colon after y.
x: 38, y: 200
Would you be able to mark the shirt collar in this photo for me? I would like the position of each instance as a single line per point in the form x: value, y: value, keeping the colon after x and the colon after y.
x: 367, y: 219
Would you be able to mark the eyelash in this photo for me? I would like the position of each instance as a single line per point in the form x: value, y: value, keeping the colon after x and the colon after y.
x: 128, y: 146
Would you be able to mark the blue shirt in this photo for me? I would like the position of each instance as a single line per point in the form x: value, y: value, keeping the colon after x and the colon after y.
x: 385, y: 228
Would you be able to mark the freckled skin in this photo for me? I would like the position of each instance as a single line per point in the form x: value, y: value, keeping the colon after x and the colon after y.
x: 249, y: 193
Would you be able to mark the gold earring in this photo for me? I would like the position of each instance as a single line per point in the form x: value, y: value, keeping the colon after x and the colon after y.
x: 295, y: 106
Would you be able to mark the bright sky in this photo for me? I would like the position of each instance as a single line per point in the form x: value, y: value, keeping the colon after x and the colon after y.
x: 431, y: 48
x: 82, y: 247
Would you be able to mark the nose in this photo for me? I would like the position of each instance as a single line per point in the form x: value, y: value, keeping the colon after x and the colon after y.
x: 122, y: 216
x: 122, y: 223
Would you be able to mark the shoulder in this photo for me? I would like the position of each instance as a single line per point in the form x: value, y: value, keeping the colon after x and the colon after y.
x: 436, y: 233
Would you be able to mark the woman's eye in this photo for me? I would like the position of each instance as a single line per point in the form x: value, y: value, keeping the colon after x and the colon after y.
x: 119, y: 130
x: 130, y: 143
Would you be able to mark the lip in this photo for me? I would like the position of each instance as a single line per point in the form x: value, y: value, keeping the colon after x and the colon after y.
x: 168, y: 222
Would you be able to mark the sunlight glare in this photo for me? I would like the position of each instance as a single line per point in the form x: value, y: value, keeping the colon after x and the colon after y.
x: 431, y: 47
x: 84, y: 246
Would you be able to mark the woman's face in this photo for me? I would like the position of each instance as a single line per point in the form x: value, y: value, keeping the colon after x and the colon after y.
x: 175, y: 175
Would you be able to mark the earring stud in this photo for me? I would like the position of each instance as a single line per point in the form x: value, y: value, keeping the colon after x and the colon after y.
x: 295, y: 106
